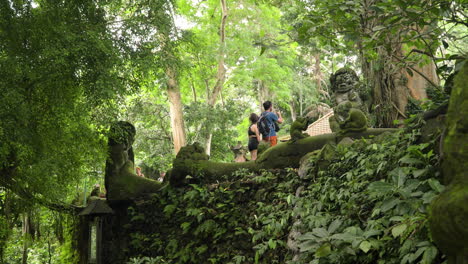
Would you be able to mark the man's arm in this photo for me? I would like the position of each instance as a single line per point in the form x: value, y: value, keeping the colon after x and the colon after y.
x: 275, y: 117
x: 280, y: 118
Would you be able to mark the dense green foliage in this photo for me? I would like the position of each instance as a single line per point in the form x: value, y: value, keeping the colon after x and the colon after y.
x: 368, y: 206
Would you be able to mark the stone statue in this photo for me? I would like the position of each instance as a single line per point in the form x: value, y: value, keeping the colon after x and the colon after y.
x: 347, y: 119
x: 344, y: 84
x: 299, y: 125
x: 349, y: 109
x: 121, y: 180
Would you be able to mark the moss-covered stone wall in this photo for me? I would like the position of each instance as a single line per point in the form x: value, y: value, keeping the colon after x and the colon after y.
x: 449, y: 212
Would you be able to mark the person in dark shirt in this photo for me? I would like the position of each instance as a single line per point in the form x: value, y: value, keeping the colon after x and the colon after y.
x: 254, y: 136
x: 271, y: 117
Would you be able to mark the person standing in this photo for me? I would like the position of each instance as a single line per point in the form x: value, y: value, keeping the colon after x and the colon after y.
x: 271, y: 118
x: 254, y: 136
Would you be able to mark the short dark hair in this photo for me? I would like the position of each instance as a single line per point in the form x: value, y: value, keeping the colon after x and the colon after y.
x: 267, y: 105
x: 253, y: 118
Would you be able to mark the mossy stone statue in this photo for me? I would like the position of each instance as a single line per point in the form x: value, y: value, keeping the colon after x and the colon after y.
x: 347, y: 119
x: 299, y: 125
x: 349, y: 115
x: 121, y: 181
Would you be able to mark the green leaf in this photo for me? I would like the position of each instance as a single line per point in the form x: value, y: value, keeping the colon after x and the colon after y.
x: 272, y: 243
x: 334, y: 226
x: 429, y: 255
x: 377, y: 28
x: 397, y: 218
x: 419, y: 173
x: 380, y: 188
x: 410, y: 160
x: 398, y: 230
x: 389, y: 204
x: 365, y: 246
x: 307, y: 236
x: 323, y: 251
x: 344, y: 236
x: 371, y: 233
x: 399, y: 175
x: 320, y: 232
x: 185, y: 226
x: 169, y: 209
x: 435, y: 185
x: 261, y: 33
x: 308, y: 246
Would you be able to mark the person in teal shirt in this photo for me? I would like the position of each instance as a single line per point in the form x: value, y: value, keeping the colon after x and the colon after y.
x: 271, y: 117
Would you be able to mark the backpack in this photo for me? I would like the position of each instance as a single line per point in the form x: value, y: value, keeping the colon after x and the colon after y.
x: 263, y: 126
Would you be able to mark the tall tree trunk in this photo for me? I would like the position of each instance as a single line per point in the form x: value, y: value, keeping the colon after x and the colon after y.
x: 292, y: 108
x: 417, y: 82
x: 176, y: 113
x: 384, y: 75
x: 221, y: 74
x: 194, y: 92
x: 26, y: 237
x: 317, y: 72
x: 390, y: 81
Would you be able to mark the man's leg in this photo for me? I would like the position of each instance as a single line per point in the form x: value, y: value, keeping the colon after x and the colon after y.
x: 273, y: 141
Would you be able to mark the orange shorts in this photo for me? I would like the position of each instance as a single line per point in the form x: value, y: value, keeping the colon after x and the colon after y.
x: 273, y: 140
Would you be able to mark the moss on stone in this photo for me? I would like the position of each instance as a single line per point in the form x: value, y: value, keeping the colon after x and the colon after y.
x: 281, y: 156
x: 449, y: 211
x: 449, y: 219
x: 127, y: 185
x: 299, y: 125
x: 122, y: 183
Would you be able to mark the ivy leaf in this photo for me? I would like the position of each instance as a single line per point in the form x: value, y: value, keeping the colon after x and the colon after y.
x: 365, y: 246
x: 398, y: 230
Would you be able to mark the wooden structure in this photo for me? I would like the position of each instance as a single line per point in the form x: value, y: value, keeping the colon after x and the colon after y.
x: 321, y: 126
